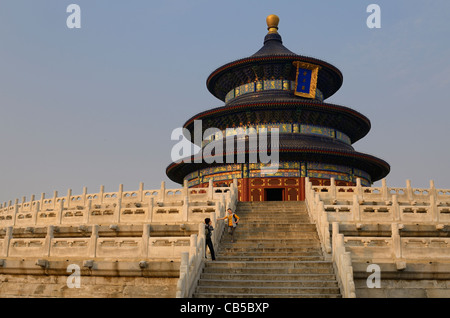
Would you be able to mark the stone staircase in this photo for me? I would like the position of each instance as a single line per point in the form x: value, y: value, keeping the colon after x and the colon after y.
x: 276, y: 253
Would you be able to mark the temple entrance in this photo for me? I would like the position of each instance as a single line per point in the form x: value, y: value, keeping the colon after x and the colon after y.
x: 274, y: 194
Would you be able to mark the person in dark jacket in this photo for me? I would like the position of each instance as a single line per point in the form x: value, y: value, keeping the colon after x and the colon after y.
x: 208, y: 231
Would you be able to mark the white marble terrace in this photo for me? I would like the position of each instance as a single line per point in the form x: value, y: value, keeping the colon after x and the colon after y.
x: 417, y: 221
x: 31, y: 229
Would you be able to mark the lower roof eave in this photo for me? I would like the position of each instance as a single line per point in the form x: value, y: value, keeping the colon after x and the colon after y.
x: 375, y: 167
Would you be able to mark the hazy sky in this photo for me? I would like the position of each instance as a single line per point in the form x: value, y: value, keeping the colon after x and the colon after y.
x: 97, y: 105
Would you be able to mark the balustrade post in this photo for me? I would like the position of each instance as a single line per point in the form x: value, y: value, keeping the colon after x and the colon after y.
x: 35, y: 212
x: 185, y: 188
x: 434, y: 209
x: 120, y: 194
x: 184, y: 274
x: 228, y: 198
x: 202, y: 245
x: 432, y: 190
x: 162, y: 193
x: 55, y: 196
x: 31, y: 202
x: 193, y: 246
x: 356, y: 209
x: 88, y: 208
x: 145, y: 240
x: 335, y: 229
x: 6, y: 241
x: 395, y: 208
x: 210, y: 189
x: 102, y: 193
x: 141, y: 191
x: 118, y: 210
x: 332, y: 192
x: 359, y: 190
x: 409, y: 191
x: 16, y: 208
x: 48, y: 240
x: 60, y: 212
x: 185, y: 209
x: 83, y: 196
x: 396, y: 242
x: 214, y: 236
x: 69, y: 194
x: 41, y: 204
x: 384, y: 190
x: 150, y: 209
x: 93, y: 241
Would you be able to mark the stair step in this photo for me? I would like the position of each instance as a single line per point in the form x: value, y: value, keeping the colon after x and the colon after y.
x: 275, y: 295
x: 268, y: 283
x: 268, y: 264
x: 269, y: 226
x: 275, y: 234
x: 267, y: 290
x: 261, y: 242
x: 273, y: 211
x: 260, y: 258
x: 273, y: 219
x: 268, y: 253
x: 267, y: 270
x: 271, y: 204
x: 300, y: 240
x: 272, y: 208
x: 276, y: 253
x: 268, y: 277
x: 251, y: 250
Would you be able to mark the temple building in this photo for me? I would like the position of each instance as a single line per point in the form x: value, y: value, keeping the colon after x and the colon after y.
x: 277, y: 89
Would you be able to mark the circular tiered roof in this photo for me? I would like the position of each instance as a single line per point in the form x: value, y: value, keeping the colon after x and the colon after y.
x: 272, y: 61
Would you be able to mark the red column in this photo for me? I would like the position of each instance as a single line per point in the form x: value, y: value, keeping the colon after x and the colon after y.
x: 245, y: 190
x: 301, y: 192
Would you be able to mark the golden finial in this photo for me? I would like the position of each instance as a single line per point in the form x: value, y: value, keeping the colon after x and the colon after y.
x: 272, y: 23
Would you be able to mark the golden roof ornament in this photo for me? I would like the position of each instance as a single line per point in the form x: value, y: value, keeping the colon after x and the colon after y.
x: 272, y: 23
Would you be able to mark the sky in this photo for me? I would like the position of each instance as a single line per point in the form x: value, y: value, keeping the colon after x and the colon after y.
x: 96, y: 105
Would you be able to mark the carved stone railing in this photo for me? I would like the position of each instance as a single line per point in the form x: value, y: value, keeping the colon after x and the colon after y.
x: 383, y: 193
x: 317, y: 213
x: 382, y: 204
x: 396, y: 209
x: 123, y: 207
x: 192, y: 262
x: 398, y: 249
x: 32, y: 230
x: 93, y: 246
x: 343, y: 263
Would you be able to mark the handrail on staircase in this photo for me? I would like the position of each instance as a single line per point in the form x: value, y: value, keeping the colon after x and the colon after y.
x: 193, y: 262
x: 316, y: 212
x: 343, y: 261
x: 331, y: 244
